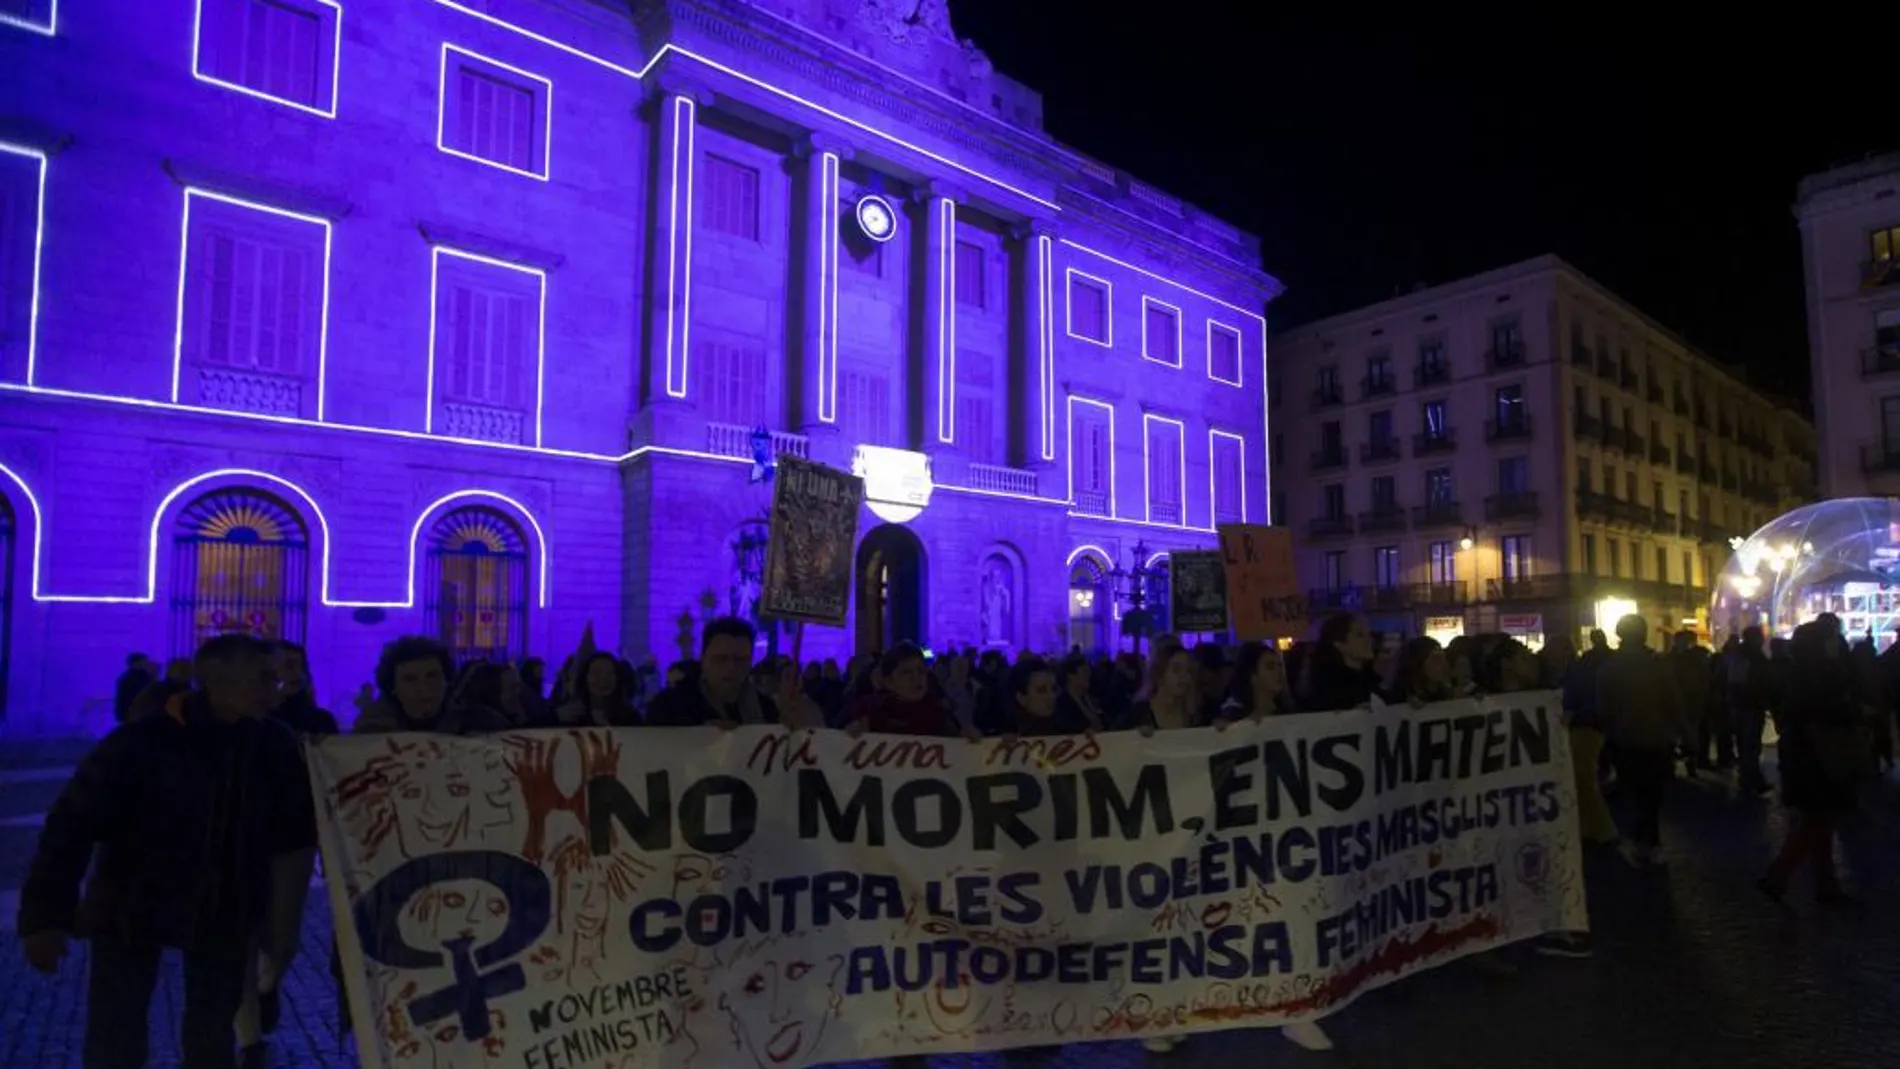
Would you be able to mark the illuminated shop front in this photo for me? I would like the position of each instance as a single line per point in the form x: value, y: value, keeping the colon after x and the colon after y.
x: 297, y: 363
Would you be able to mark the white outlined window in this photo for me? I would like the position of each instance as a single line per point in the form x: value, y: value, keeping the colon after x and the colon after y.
x: 972, y: 281
x: 1227, y: 476
x: 1160, y: 332
x: 1223, y: 353
x: 486, y: 346
x: 1165, y: 466
x: 253, y: 301
x: 1091, y: 306
x: 281, y: 50
x: 732, y: 198
x: 864, y: 397
x: 733, y: 380
x: 22, y: 213
x: 36, y: 16
x: 492, y: 113
x: 1091, y: 456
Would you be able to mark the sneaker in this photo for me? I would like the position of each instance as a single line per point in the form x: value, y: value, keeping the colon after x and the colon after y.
x: 1307, y: 1035
x: 1566, y: 945
x: 1159, y: 1044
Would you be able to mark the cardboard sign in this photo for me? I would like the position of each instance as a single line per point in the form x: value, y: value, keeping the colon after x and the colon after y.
x: 1263, y: 591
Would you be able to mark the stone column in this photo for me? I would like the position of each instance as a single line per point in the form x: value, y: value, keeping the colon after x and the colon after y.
x: 812, y: 373
x: 1035, y: 417
x: 935, y: 231
x: 669, y: 264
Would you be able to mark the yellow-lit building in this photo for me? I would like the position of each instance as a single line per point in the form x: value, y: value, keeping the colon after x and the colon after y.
x: 1520, y: 451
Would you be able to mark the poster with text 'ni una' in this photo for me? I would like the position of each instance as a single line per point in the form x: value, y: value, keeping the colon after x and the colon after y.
x: 809, y: 560
x: 690, y: 899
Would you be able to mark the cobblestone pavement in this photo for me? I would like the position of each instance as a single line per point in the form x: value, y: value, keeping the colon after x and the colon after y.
x: 1693, y: 968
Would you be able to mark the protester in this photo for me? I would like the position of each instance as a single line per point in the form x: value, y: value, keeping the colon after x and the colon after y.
x: 719, y: 693
x: 1823, y: 757
x: 904, y: 704
x: 491, y: 693
x: 602, y: 696
x: 1748, y: 691
x: 1647, y: 720
x: 412, y: 683
x: 204, y: 834
x: 139, y: 674
x: 1343, y: 673
x: 1257, y: 688
x: 796, y: 709
x: 296, y: 706
x: 1424, y: 673
x: 1035, y: 693
x: 1076, y: 709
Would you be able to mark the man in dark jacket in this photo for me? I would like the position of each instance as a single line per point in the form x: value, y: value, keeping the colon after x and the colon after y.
x: 1749, y: 692
x: 202, y: 822
x: 720, y: 693
x: 1636, y: 696
x: 139, y: 673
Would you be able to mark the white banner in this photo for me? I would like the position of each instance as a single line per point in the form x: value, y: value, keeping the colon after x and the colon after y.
x: 695, y: 899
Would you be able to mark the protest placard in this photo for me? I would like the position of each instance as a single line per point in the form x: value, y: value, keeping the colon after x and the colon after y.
x: 814, y: 528
x: 1197, y: 591
x: 1263, y: 590
x: 691, y: 899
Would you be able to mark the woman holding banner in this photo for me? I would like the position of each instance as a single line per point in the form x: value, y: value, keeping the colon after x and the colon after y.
x: 1259, y: 687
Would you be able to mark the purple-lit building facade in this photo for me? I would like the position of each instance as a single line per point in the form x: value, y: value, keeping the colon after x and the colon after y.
x: 339, y: 322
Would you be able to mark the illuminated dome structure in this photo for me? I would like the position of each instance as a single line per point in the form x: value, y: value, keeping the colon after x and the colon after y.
x: 1839, y: 556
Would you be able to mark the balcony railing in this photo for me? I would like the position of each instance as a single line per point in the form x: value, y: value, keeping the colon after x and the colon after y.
x: 1606, y: 367
x: 1431, y: 374
x: 1581, y: 356
x: 1653, y: 391
x: 1328, y: 457
x: 1328, y: 394
x: 1001, y: 480
x: 1616, y: 438
x: 1516, y: 506
x: 1330, y: 527
x: 1659, y: 454
x: 1381, y: 519
x: 1452, y: 592
x: 1507, y: 430
x: 1588, y: 426
x: 1664, y: 522
x: 1876, y: 457
x: 1330, y: 599
x: 1504, y: 356
x: 1592, y: 505
x: 1429, y: 444
x: 1705, y: 470
x: 1379, y: 449
x: 734, y: 440
x: 1635, y: 444
x: 1875, y: 274
x: 1685, y: 463
x: 1091, y: 502
x: 1880, y: 360
x: 1627, y: 378
x: 1389, y: 598
x: 1604, y: 508
x: 1376, y: 385
x: 1680, y: 406
x: 1438, y: 514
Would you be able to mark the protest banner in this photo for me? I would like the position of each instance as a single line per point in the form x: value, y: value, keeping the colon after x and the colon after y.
x: 690, y: 899
x: 814, y: 530
x: 1197, y: 591
x: 1263, y: 590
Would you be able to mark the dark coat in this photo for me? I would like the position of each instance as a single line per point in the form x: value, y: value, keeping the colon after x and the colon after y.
x: 185, y: 814
x: 1818, y: 693
x: 687, y: 706
x: 1337, y: 687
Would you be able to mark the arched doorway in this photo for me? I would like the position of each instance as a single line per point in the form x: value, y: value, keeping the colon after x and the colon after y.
x: 477, y: 585
x: 1090, y: 606
x: 890, y: 588
x: 239, y: 564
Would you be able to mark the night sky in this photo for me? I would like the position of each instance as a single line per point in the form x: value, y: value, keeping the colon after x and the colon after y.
x: 1372, y: 151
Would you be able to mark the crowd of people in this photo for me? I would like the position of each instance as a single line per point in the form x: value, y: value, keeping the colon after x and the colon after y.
x: 198, y: 809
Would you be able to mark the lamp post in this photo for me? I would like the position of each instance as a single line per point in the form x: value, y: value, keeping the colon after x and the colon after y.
x: 1131, y: 587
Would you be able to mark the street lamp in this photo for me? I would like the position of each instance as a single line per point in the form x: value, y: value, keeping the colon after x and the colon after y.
x: 1131, y: 587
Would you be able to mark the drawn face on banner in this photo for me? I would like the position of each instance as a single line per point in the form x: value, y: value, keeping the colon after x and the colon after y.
x: 695, y: 875
x: 418, y: 798
x: 776, y: 1002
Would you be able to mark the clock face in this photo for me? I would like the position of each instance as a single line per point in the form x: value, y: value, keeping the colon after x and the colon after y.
x: 876, y: 219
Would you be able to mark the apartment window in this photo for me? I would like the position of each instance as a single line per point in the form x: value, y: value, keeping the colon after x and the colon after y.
x: 1616, y: 557
x: 1437, y: 422
x: 19, y: 237
x: 1335, y: 569
x: 1379, y: 425
x: 1662, y: 565
x: 1438, y: 487
x: 283, y: 50
x: 1276, y: 507
x: 1444, y: 563
x: 1331, y: 438
x: 1088, y: 309
x: 1514, y: 475
x: 1890, y: 425
x: 1332, y: 501
x: 1682, y: 445
x: 1589, y: 544
x: 1509, y: 406
x: 1328, y: 383
x: 1886, y: 244
x: 1164, y: 471
x: 732, y: 198
x: 1160, y: 332
x: 1629, y: 419
x: 972, y: 286
x: 1586, y: 477
x: 1223, y: 354
x: 976, y: 427
x: 1887, y: 331
x: 733, y: 379
x: 1092, y: 451
x: 487, y: 346
x: 1629, y: 486
x: 1431, y: 360
x: 1514, y: 558
x: 865, y: 399
x: 1229, y: 483
x: 1610, y: 485
x: 494, y: 114
x: 253, y: 309
x: 1576, y: 335
x: 1378, y: 373
x: 1656, y: 495
x: 1385, y: 493
x: 1605, y: 413
x: 1682, y: 503
x: 1688, y: 569
x: 1579, y: 400
x: 1385, y: 567
x: 1507, y: 342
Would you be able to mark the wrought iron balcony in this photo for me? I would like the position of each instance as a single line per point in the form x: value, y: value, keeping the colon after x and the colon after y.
x: 1705, y: 470
x: 1606, y: 367
x: 1653, y: 391
x: 1876, y: 457
x: 1330, y: 527
x: 1616, y: 438
x: 1507, y: 430
x: 1588, y: 426
x: 1626, y: 377
x: 1880, y: 360
x: 1874, y: 274
x: 1389, y: 598
x: 1581, y: 356
x: 1429, y: 444
x: 1504, y: 356
x: 1659, y: 454
x: 1379, y: 449
x: 1685, y: 463
x: 1438, y: 514
x: 1521, y: 505
x: 1325, y: 599
x: 1436, y: 594
x: 1377, y: 385
x: 1327, y: 395
x: 1382, y: 518
x: 1424, y: 374
x: 1592, y: 505
x: 1680, y: 405
x: 1634, y: 444
x: 1328, y: 457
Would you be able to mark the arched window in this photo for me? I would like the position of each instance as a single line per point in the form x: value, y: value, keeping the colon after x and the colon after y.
x: 477, y: 585
x: 7, y: 527
x: 1090, y: 605
x: 240, y: 563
